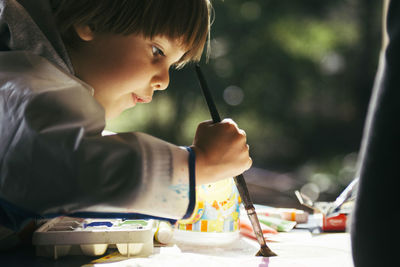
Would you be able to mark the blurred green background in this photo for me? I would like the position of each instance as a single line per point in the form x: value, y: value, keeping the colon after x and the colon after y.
x: 296, y: 76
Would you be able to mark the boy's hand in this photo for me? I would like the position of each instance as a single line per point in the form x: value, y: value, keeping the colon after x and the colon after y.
x: 221, y: 151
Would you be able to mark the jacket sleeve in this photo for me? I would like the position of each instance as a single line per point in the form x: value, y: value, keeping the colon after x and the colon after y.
x: 55, y: 161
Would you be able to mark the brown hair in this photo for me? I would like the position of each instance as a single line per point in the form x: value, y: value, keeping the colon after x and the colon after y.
x: 186, y: 20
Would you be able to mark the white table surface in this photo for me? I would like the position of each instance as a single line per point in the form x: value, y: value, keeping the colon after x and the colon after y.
x: 297, y: 248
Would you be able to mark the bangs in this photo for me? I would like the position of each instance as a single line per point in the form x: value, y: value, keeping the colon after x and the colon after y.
x: 183, y: 20
x: 187, y: 21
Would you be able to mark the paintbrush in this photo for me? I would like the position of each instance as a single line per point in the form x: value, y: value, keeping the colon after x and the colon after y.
x: 264, y: 251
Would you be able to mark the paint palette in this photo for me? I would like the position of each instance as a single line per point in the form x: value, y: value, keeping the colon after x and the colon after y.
x: 73, y: 236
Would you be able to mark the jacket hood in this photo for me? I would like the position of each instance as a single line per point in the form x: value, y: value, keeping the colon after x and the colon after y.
x: 29, y: 25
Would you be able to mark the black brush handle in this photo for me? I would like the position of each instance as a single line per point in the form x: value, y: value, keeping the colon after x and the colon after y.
x: 206, y: 92
x: 239, y: 180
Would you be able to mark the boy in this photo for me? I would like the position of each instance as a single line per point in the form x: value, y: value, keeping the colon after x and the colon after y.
x: 65, y: 66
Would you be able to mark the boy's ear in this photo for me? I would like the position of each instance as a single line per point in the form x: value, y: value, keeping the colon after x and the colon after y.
x: 84, y: 32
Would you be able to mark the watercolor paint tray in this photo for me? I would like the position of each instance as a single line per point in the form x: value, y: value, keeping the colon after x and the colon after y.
x: 73, y: 236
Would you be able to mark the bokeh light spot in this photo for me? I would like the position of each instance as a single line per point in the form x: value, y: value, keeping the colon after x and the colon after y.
x: 233, y: 95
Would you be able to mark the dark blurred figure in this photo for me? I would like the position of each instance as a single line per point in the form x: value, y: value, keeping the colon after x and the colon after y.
x: 374, y: 226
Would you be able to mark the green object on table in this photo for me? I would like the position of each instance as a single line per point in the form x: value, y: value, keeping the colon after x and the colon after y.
x: 278, y: 224
x: 134, y: 222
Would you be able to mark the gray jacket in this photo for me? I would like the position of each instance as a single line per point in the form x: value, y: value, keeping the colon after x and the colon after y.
x: 53, y: 158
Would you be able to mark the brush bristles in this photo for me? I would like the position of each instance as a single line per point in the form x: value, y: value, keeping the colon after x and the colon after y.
x: 265, y: 252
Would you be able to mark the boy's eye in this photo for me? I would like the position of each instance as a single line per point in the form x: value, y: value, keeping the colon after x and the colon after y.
x: 157, y: 51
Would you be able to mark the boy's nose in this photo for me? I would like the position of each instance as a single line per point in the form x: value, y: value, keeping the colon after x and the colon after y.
x: 161, y: 80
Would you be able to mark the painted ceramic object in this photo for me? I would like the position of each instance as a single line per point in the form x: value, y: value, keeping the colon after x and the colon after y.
x: 216, y: 210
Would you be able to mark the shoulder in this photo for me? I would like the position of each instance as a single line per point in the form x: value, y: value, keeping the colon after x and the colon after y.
x: 33, y: 88
x: 36, y: 72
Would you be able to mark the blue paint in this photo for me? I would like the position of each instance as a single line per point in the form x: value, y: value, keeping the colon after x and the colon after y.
x: 180, y: 189
x: 95, y: 224
x: 196, y: 226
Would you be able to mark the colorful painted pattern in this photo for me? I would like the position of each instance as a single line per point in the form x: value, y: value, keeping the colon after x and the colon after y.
x: 217, y: 209
x: 211, y: 226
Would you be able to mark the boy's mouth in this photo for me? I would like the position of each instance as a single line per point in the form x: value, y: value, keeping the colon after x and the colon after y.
x: 140, y: 99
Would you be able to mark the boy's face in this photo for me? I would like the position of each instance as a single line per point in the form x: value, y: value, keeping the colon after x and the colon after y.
x: 125, y: 70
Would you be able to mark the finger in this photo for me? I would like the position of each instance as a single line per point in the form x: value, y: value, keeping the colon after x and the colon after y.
x: 207, y: 122
x: 229, y: 120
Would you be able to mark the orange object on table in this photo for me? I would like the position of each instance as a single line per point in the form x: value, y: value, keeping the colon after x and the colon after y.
x: 247, y: 230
